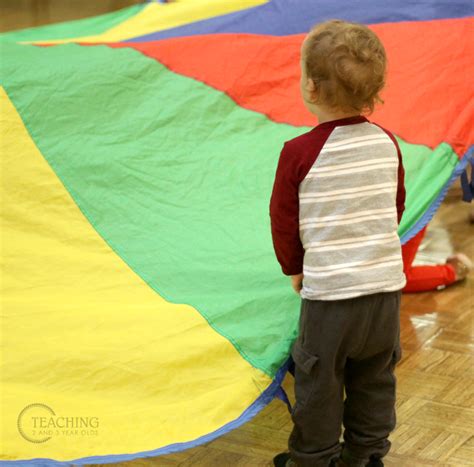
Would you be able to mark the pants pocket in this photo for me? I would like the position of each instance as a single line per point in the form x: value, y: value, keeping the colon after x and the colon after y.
x: 396, y: 356
x: 305, y: 372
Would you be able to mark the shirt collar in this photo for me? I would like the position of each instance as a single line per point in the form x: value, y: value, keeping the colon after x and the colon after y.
x: 343, y: 121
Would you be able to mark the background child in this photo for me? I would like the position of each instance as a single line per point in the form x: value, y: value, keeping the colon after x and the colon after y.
x: 432, y: 277
x: 337, y: 199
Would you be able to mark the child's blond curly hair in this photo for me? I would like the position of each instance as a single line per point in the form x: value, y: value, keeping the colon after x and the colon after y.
x: 347, y: 63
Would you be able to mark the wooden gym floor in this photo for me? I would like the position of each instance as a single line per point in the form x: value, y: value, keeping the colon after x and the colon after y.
x: 435, y: 378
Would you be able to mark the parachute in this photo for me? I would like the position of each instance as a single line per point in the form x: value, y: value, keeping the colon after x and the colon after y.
x: 144, y: 311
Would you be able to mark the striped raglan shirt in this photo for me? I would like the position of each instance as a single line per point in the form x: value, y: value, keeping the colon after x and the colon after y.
x: 337, y: 200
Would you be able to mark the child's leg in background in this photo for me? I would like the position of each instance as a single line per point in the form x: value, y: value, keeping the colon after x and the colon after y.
x: 424, y: 278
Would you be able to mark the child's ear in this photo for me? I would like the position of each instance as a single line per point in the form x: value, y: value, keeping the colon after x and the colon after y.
x: 311, y: 89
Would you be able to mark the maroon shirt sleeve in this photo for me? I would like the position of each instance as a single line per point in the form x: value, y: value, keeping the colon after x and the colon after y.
x: 284, y: 215
x: 296, y: 159
x: 401, y: 193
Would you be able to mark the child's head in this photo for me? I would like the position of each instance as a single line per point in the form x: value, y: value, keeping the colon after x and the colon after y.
x: 342, y: 67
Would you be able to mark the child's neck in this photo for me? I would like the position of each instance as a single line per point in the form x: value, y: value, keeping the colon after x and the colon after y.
x: 327, y: 115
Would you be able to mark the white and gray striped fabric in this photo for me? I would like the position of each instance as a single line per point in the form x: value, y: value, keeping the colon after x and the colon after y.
x: 348, y: 216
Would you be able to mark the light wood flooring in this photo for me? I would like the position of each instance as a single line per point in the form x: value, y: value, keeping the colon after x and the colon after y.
x: 19, y: 14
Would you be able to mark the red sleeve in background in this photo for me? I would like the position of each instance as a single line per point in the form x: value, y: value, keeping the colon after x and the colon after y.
x: 284, y: 215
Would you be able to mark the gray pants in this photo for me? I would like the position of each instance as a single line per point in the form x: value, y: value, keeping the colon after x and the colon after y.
x: 352, y: 344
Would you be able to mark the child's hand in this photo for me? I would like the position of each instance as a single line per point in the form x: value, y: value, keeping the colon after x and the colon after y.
x: 297, y: 282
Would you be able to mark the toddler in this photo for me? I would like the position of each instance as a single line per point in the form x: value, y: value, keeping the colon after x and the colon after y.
x: 336, y: 203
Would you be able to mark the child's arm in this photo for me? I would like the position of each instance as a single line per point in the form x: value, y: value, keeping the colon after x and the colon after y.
x: 297, y: 282
x: 284, y: 216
